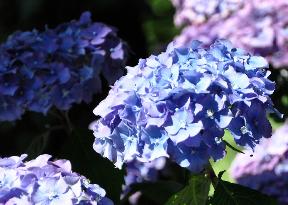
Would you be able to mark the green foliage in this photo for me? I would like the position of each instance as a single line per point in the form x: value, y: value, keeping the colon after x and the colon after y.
x: 275, y: 124
x: 159, y: 28
x: 195, y: 193
x: 160, y: 7
x: 227, y: 193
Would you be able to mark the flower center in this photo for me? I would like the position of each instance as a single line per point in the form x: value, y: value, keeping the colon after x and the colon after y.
x: 65, y: 93
x: 244, y: 130
x: 210, y: 113
x: 53, y: 195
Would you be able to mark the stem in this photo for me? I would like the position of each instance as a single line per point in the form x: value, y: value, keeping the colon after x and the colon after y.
x: 211, y: 174
x: 63, y: 116
x: 186, y: 175
x: 68, y: 121
x: 55, y: 114
x: 31, y: 151
x: 50, y: 129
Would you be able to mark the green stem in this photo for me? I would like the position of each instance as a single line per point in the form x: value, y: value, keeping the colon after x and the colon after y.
x: 54, y: 113
x: 211, y: 174
x: 33, y: 149
x: 66, y: 120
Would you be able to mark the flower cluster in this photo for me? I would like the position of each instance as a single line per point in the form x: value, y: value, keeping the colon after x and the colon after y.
x: 137, y: 172
x: 260, y: 27
x: 199, y: 11
x: 41, y: 181
x: 266, y: 170
x: 57, y: 67
x: 179, y: 103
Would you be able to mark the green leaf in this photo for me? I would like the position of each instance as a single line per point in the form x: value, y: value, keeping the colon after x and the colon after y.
x: 227, y: 193
x: 158, y: 192
x: 195, y: 193
x: 99, y: 170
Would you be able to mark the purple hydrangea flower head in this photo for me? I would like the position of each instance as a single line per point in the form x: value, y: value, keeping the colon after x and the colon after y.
x: 267, y: 169
x: 199, y: 11
x: 259, y: 26
x: 42, y: 181
x: 57, y: 67
x: 178, y: 105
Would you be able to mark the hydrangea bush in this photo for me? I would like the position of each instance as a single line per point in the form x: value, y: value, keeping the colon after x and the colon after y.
x: 57, y: 67
x: 178, y: 105
x: 266, y: 169
x: 259, y: 26
x: 198, y: 11
x: 42, y: 181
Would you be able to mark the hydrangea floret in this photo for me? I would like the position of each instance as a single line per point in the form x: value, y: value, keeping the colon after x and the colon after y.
x: 178, y: 105
x: 266, y: 169
x: 42, y: 181
x: 57, y: 67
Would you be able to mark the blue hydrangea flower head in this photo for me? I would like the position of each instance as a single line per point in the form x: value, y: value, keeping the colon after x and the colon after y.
x: 42, y: 181
x: 266, y: 169
x: 178, y: 105
x: 57, y: 67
